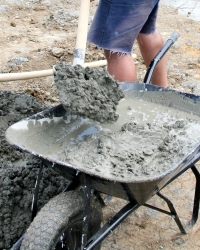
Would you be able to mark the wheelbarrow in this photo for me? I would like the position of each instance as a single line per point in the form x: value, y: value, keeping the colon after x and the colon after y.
x: 73, y: 219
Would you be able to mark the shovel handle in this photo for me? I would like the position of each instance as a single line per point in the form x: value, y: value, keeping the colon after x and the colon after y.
x: 48, y: 72
x: 42, y: 73
x: 81, y: 38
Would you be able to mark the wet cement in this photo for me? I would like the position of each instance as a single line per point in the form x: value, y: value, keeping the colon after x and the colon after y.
x: 145, y: 147
x: 18, y: 171
x: 154, y: 132
x: 90, y: 92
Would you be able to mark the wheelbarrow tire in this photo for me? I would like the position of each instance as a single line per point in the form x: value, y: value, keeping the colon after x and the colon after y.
x: 58, y: 224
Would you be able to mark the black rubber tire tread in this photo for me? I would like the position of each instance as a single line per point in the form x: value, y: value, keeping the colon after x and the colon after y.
x: 54, y: 217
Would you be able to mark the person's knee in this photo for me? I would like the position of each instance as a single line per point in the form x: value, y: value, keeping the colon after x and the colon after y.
x: 157, y: 38
x: 153, y: 39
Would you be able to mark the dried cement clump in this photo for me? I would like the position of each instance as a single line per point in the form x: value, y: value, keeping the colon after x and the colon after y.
x: 90, y: 92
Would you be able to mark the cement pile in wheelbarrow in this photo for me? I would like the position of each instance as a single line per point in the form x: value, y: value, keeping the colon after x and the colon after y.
x: 147, y: 140
x: 136, y: 152
x: 90, y: 92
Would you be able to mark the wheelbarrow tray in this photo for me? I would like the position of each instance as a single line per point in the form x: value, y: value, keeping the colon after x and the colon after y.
x: 33, y: 135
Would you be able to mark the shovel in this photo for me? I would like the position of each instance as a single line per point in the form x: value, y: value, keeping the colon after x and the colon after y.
x: 91, y: 93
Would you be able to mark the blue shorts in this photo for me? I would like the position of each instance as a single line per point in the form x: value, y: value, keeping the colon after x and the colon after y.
x: 117, y: 23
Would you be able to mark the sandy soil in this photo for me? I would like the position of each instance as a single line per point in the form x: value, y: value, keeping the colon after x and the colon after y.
x: 37, y: 34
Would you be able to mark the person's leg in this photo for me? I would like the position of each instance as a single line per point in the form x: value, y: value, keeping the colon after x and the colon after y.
x: 150, y: 45
x: 121, y: 66
x: 115, y: 27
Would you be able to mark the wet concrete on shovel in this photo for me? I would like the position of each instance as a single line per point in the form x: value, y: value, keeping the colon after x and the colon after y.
x: 89, y: 92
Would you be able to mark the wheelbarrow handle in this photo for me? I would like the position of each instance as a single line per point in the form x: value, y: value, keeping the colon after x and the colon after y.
x: 174, y: 36
x: 159, y: 56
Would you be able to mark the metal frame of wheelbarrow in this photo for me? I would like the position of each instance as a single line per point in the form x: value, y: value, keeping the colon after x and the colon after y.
x: 89, y: 244
x: 90, y: 184
x: 86, y: 182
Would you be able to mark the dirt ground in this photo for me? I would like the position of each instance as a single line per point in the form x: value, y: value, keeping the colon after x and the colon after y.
x: 36, y: 34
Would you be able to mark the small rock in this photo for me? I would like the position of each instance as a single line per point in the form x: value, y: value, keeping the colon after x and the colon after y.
x: 32, y: 21
x: 191, y: 66
x: 40, y: 97
x: 70, y: 52
x: 54, y: 99
x: 115, y: 246
x: 13, y: 24
x: 129, y: 233
x: 141, y: 224
x: 19, y: 60
x: 37, y: 89
x: 47, y: 3
x: 179, y: 241
x: 3, y: 8
x: 57, y: 52
x: 20, y: 67
x: 172, y: 81
x: 39, y: 8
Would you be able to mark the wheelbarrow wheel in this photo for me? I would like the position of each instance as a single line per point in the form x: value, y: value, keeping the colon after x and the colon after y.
x: 58, y: 225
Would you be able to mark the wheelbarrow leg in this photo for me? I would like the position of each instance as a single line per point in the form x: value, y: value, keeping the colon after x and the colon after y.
x: 196, y: 198
x: 36, y: 191
x: 196, y: 202
x: 110, y: 225
x: 87, y: 194
x: 173, y: 212
x: 114, y: 222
